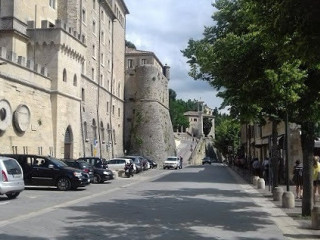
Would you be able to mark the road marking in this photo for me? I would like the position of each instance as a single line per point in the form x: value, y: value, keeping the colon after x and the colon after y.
x: 73, y: 202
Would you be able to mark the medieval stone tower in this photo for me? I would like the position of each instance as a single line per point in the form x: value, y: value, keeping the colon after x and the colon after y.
x: 148, y: 128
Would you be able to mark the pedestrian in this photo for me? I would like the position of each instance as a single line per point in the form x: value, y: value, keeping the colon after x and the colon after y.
x: 265, y: 169
x: 181, y: 160
x: 256, y: 167
x: 316, y: 179
x: 298, y: 179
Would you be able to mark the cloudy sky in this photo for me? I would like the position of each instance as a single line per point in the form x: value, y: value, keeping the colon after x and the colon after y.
x: 164, y: 27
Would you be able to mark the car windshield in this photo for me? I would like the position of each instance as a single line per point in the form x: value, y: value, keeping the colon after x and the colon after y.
x: 58, y: 162
x: 171, y: 159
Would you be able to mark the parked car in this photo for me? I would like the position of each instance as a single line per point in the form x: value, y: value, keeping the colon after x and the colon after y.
x: 117, y: 164
x: 96, y: 161
x: 138, y: 161
x: 206, y: 160
x: 172, y: 162
x: 48, y: 171
x: 11, y: 182
x: 100, y: 167
x: 82, y: 165
x: 152, y: 163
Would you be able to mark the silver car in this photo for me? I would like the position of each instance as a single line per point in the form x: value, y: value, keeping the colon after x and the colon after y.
x: 11, y: 181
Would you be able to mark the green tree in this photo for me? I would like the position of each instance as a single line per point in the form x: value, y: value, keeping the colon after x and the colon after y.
x: 130, y: 44
x: 247, y: 56
x: 227, y: 135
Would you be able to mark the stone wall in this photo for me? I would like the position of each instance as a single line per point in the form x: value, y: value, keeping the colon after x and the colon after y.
x: 147, y: 114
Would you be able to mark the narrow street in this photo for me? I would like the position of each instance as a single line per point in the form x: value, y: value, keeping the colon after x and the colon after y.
x: 200, y: 202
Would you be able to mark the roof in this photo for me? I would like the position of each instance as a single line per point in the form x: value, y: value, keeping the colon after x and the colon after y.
x: 135, y: 52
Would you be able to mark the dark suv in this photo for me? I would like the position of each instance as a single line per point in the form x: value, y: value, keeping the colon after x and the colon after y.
x: 49, y: 171
x: 100, y: 168
x: 82, y: 165
x: 96, y: 162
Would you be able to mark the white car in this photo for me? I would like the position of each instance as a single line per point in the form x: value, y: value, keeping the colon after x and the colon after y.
x: 11, y: 180
x: 117, y: 164
x: 172, y: 162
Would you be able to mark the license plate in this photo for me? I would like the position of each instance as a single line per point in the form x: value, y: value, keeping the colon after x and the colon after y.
x: 17, y: 176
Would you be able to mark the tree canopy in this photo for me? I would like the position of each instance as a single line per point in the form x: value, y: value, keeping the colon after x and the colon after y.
x: 263, y: 58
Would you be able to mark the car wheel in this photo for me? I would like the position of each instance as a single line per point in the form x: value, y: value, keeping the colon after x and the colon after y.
x: 96, y: 178
x: 63, y: 184
x: 12, y: 195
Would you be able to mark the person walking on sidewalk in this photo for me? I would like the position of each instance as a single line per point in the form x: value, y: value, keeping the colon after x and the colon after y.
x: 298, y: 179
x: 316, y: 175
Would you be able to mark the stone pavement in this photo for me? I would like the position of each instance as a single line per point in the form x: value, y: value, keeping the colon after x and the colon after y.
x: 290, y: 221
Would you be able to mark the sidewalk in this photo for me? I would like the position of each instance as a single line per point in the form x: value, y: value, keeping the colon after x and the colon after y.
x: 295, y: 226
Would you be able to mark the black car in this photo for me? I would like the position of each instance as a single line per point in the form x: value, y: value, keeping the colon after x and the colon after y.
x: 137, y: 160
x: 206, y: 160
x: 48, y: 171
x: 82, y: 165
x: 100, y: 168
x: 96, y: 161
x: 152, y: 163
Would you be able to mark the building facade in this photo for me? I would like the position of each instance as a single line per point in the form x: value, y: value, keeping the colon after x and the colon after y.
x: 148, y: 127
x: 62, y: 77
x: 196, y: 121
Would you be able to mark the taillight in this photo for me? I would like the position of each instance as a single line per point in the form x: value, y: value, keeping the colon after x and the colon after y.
x: 4, y: 176
x: 86, y: 170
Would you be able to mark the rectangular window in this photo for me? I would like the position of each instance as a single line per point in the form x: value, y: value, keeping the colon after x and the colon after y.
x: 93, y: 51
x: 15, y: 149
x: 143, y: 61
x: 130, y: 63
x: 51, y: 151
x: 84, y: 15
x: 112, y: 109
x: 40, y: 150
x: 25, y: 150
x: 118, y: 112
x: 101, y: 80
x: 94, y: 27
x: 52, y: 3
x: 102, y: 37
x: 107, y: 107
x: 102, y: 59
x: 102, y: 15
x: 82, y: 94
x: 94, y: 4
x: 92, y: 74
x: 114, y: 137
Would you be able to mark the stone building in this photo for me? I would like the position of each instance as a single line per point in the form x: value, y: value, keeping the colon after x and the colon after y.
x: 148, y: 127
x: 62, y: 77
x: 195, y: 119
x: 256, y: 142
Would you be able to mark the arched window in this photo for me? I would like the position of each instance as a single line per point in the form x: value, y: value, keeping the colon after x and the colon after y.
x: 75, y: 81
x: 119, y: 87
x: 102, y: 131
x: 64, y: 76
x: 85, y: 130
x: 82, y: 94
x: 94, y: 129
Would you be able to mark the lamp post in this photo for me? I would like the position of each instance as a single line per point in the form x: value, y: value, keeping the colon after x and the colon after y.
x: 287, y: 150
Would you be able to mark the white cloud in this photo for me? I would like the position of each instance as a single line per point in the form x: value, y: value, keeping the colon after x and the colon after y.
x: 165, y: 27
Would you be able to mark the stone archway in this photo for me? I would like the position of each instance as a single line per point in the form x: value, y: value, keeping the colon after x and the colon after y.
x: 68, y: 143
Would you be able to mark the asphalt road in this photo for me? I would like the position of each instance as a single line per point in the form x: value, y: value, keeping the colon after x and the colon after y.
x: 201, y: 202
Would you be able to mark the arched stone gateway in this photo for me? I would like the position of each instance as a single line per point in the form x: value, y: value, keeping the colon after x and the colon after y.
x: 68, y: 143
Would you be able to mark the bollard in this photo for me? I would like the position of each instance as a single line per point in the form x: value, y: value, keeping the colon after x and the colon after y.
x: 255, y: 180
x: 277, y: 194
x: 288, y: 200
x: 261, y: 183
x: 315, y: 218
